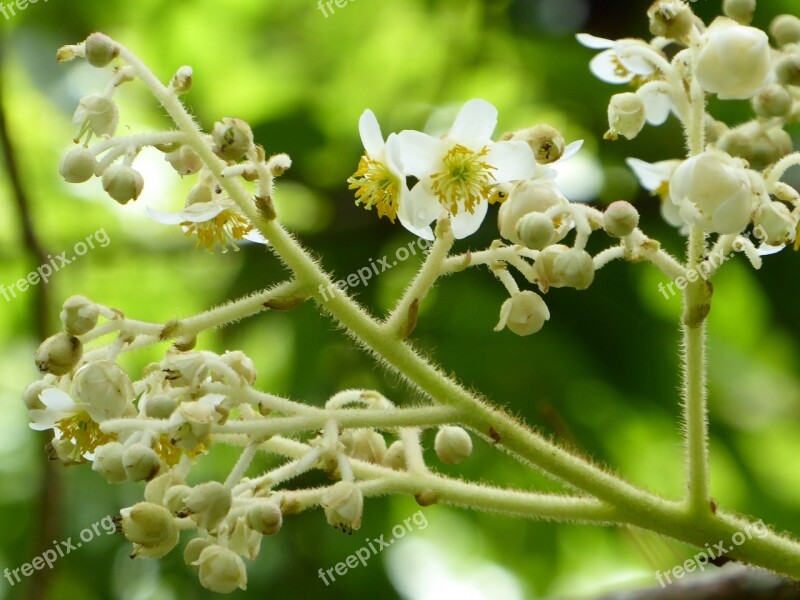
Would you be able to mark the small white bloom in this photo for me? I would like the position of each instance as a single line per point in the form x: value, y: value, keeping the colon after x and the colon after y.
x: 457, y: 172
x: 714, y: 191
x: 734, y: 60
x: 616, y: 64
x: 655, y: 177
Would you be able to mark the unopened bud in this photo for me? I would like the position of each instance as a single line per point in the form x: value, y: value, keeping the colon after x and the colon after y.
x: 232, y: 138
x: 546, y: 142
x: 775, y: 101
x: 184, y: 160
x: 242, y: 364
x: 193, y: 550
x: 535, y: 230
x: 344, y: 506
x: 526, y: 197
x: 626, y: 116
x: 265, y: 518
x: 79, y: 315
x: 141, y: 462
x: 785, y: 29
x: 200, y: 193
x: 740, y: 10
x: 452, y: 444
x: 574, y: 268
x: 175, y: 497
x: 395, y: 457
x: 209, y: 504
x: 182, y: 80
x: 108, y: 462
x: 147, y: 524
x: 100, y: 50
x: 221, y: 570
x: 122, y: 183
x: 788, y: 70
x: 156, y: 488
x: 58, y: 354
x: 524, y: 313
x: 775, y: 223
x: 279, y: 164
x: 160, y: 406
x: 364, y: 444
x: 620, y: 219
x: 96, y: 114
x: 671, y: 19
x: 78, y: 165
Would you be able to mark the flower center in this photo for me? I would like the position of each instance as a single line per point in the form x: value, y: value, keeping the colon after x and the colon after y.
x: 84, y: 433
x: 171, y: 454
x: 377, y: 186
x: 225, y: 229
x: 466, y: 177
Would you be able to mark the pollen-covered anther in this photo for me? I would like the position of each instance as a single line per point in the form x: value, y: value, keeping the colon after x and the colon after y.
x: 377, y: 186
x: 225, y: 229
x: 466, y: 177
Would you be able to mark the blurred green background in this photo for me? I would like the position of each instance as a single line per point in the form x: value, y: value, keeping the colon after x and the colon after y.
x: 601, y: 376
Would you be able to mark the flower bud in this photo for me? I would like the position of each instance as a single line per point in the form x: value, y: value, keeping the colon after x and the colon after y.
x: 524, y: 313
x: 209, y: 504
x: 671, y: 19
x: 242, y: 364
x: 535, y: 230
x: 452, y: 444
x: 344, y: 506
x: 58, y: 354
x: 546, y: 142
x: 243, y: 540
x: 182, y: 80
x: 785, y: 29
x: 96, y: 114
x: 395, y: 457
x: 156, y: 488
x: 65, y: 451
x: 740, y: 10
x: 758, y: 147
x: 574, y: 268
x: 221, y: 570
x: 626, y: 116
x: 265, y: 518
x: 734, y: 60
x: 160, y: 406
x: 776, y: 223
x: 122, y: 183
x: 147, y: 524
x: 141, y: 462
x: 232, y: 138
x: 108, y: 462
x: 788, y: 70
x: 775, y: 101
x: 620, y: 219
x: 545, y: 276
x: 105, y: 387
x: 526, y: 197
x: 175, y: 497
x: 712, y: 190
x: 279, y: 164
x: 193, y: 550
x: 364, y: 444
x: 184, y: 160
x: 79, y: 315
x: 100, y: 50
x: 78, y: 165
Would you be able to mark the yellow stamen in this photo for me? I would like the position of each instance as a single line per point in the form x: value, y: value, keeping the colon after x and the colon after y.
x: 171, y: 454
x: 662, y: 191
x: 466, y: 177
x: 84, y: 432
x: 377, y: 186
x: 225, y: 229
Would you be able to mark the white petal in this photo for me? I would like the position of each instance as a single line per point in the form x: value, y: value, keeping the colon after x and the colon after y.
x: 635, y: 63
x: 393, y: 155
x: 650, y: 176
x: 196, y: 213
x: 418, y: 209
x: 592, y: 41
x: 465, y: 223
x: 766, y: 250
x: 604, y: 66
x: 256, y: 237
x: 212, y: 400
x: 420, y: 154
x: 476, y: 121
x: 657, y: 106
x: 512, y: 161
x: 571, y: 150
x: 57, y: 400
x: 371, y: 135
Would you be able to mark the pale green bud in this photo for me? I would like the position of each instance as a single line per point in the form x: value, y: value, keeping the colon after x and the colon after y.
x: 122, y: 183
x: 209, y: 503
x: 221, y: 570
x: 141, y: 462
x: 147, y: 524
x: 78, y: 165
x: 100, y: 50
x: 79, y: 315
x: 775, y: 101
x: 574, y: 268
x: 620, y: 219
x: 626, y: 116
x: 535, y: 230
x: 452, y: 444
x: 108, y: 462
x: 232, y: 138
x: 740, y: 10
x: 58, y: 354
x: 546, y: 142
x: 344, y: 506
x: 785, y: 29
x: 524, y: 313
x: 265, y: 518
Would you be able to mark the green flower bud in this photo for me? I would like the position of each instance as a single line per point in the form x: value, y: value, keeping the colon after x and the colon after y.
x: 78, y: 165
x: 182, y: 80
x: 184, y: 160
x: 626, y: 116
x: 147, y: 524
x: 788, y: 70
x: 546, y: 142
x: 740, y: 10
x: 79, y: 315
x: 526, y: 197
x: 574, y: 268
x: 452, y: 444
x: 141, y: 462
x: 620, y: 219
x: 364, y: 444
x: 209, y: 503
x: 156, y: 488
x: 524, y: 313
x: 100, y: 50
x: 671, y: 19
x: 265, y: 518
x: 775, y: 101
x: 221, y: 570
x: 535, y: 230
x: 344, y: 506
x: 775, y: 223
x: 58, y: 354
x: 785, y: 29
x: 232, y: 138
x: 160, y: 407
x: 122, y: 183
x: 108, y: 462
x: 96, y: 114
x: 193, y: 550
x: 395, y: 456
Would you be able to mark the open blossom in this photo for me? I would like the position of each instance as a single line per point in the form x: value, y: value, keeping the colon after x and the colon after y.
x: 654, y: 177
x: 379, y: 180
x: 458, y: 172
x: 616, y: 63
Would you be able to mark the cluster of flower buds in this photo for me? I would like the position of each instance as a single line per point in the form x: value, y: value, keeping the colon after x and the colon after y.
x: 725, y: 187
x: 209, y: 213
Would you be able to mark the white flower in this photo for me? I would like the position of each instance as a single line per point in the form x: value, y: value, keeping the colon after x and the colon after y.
x: 654, y: 177
x: 616, y: 64
x: 217, y: 222
x: 713, y: 190
x: 457, y: 172
x: 734, y: 60
x: 379, y: 180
